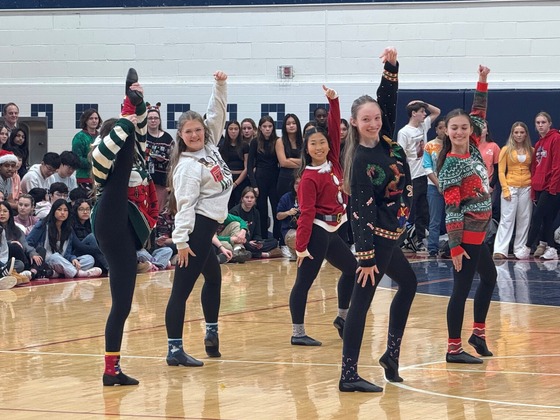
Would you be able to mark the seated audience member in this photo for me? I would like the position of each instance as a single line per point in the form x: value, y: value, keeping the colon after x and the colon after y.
x: 158, y: 259
x: 8, y: 162
x: 288, y: 213
x: 41, y: 199
x: 57, y: 191
x: 224, y: 255
x: 17, y: 143
x: 69, y: 162
x: 55, y: 234
x: 28, y: 262
x: 231, y: 234
x: 259, y: 247
x: 164, y: 228
x: 39, y: 174
x: 78, y: 193
x: 16, y: 179
x: 25, y: 208
x: 86, y: 243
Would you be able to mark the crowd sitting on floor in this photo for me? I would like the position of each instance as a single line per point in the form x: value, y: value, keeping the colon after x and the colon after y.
x: 50, y: 202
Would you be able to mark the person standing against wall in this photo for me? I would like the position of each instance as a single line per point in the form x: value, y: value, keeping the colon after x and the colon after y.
x: 90, y: 121
x: 412, y: 138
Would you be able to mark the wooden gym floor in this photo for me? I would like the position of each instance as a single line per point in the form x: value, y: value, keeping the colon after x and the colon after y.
x: 51, y: 351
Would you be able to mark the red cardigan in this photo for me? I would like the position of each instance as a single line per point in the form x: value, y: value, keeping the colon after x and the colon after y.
x: 318, y: 189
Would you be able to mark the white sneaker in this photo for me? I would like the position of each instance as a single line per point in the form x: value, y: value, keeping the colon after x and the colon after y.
x: 286, y: 251
x: 92, y: 272
x: 7, y: 282
x: 550, y: 253
x: 524, y: 254
x: 27, y: 274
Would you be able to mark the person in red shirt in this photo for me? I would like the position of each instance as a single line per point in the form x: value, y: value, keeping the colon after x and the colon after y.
x: 323, y: 210
x: 545, y: 186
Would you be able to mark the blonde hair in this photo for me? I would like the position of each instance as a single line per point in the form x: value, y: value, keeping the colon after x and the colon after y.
x: 179, y: 148
x: 511, y: 143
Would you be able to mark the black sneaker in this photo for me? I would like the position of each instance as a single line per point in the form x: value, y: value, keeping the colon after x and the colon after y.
x: 7, y: 268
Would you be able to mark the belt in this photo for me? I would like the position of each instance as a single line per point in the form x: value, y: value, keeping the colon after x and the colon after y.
x: 330, y: 217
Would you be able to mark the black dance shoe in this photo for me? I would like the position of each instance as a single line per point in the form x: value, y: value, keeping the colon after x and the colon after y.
x: 479, y: 345
x: 339, y: 325
x: 181, y: 358
x: 136, y: 98
x: 462, y: 357
x: 305, y: 341
x: 212, y: 345
x: 360, y: 385
x: 120, y: 379
x: 391, y: 367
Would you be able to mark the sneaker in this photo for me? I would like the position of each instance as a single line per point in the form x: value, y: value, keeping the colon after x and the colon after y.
x: 21, y: 277
x: 550, y: 254
x: 286, y: 251
x: 222, y: 259
x: 92, y: 272
x: 524, y: 254
x: 7, y: 282
x: 8, y: 267
x: 27, y: 274
x: 240, y: 256
x: 498, y: 256
x: 143, y: 267
x: 541, y: 248
x: 275, y: 253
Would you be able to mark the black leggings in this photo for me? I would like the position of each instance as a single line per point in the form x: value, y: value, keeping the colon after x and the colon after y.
x: 323, y: 245
x: 267, y: 180
x: 481, y: 262
x: 205, y: 262
x: 543, y: 218
x: 117, y: 241
x: 390, y: 261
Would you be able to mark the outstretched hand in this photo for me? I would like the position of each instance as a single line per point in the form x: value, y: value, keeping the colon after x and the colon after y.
x: 330, y: 93
x: 389, y: 54
x: 220, y: 76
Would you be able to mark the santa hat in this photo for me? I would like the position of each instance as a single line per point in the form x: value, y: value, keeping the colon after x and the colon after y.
x: 6, y: 156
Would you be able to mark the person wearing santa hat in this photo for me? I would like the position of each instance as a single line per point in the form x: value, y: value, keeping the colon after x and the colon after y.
x: 8, y: 162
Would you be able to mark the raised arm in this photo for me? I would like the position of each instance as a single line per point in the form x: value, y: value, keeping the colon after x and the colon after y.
x: 387, y: 91
x: 480, y: 102
x: 333, y: 122
x: 217, y: 106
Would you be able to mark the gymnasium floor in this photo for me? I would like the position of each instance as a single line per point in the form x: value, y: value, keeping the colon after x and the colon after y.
x: 51, y: 351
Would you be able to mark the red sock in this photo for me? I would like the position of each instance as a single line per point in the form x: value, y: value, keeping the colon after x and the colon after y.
x: 479, y: 329
x: 454, y: 345
x: 127, y: 108
x: 112, y: 363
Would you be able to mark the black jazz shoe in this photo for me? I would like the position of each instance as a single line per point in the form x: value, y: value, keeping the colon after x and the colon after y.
x: 180, y: 358
x: 119, y: 379
x: 136, y: 98
x: 462, y: 357
x: 479, y: 345
x: 212, y: 345
x: 361, y: 385
x: 305, y: 341
x: 339, y: 325
x: 391, y: 367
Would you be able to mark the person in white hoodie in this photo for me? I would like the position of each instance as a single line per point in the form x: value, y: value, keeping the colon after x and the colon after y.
x: 200, y: 190
x: 39, y: 174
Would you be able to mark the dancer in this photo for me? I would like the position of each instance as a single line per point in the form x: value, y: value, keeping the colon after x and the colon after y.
x: 377, y: 174
x: 464, y: 181
x: 117, y: 224
x: 322, y: 207
x: 200, y: 191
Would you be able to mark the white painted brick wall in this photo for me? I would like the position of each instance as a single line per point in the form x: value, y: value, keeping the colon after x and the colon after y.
x: 81, y: 56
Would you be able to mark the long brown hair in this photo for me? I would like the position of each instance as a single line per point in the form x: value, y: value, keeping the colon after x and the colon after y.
x: 180, y: 148
x: 446, y: 148
x: 353, y: 140
x: 263, y: 144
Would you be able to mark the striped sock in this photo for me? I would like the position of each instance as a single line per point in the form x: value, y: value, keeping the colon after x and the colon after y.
x: 479, y: 329
x: 112, y: 363
x: 454, y: 346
